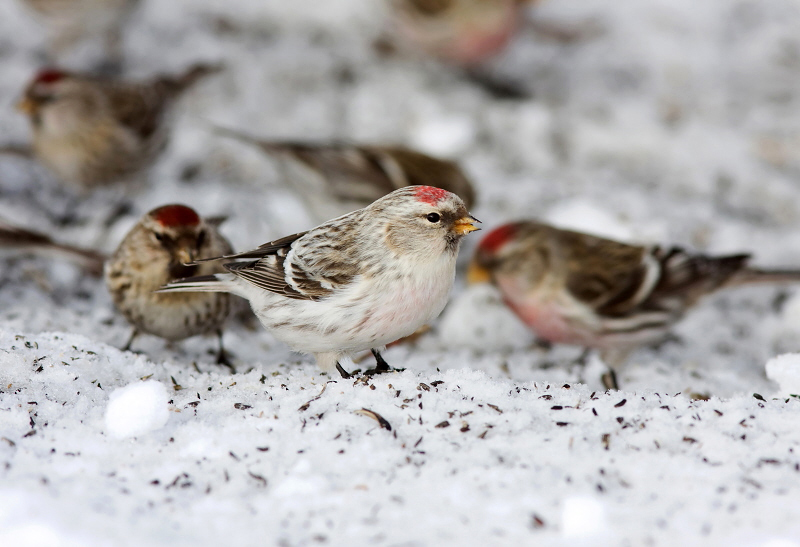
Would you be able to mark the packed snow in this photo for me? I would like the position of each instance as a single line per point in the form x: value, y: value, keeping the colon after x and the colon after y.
x: 667, y: 121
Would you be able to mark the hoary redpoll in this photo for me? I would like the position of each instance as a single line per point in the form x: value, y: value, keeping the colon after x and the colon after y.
x: 333, y: 179
x: 69, y: 21
x: 155, y: 252
x: 356, y: 282
x: 575, y: 288
x: 20, y: 240
x: 92, y: 132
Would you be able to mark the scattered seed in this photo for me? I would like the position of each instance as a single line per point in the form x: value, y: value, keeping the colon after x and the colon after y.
x: 536, y: 521
x: 442, y: 425
x: 621, y: 403
x: 759, y: 397
x: 241, y: 406
x: 494, y: 407
x: 305, y: 406
x: 375, y: 416
x: 259, y: 478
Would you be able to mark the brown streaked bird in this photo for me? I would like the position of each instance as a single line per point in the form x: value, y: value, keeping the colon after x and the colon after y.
x: 92, y: 131
x: 575, y: 288
x: 70, y: 21
x: 23, y: 241
x: 335, y: 178
x: 155, y: 252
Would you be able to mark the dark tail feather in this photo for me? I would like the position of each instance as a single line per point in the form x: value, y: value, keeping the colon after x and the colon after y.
x: 753, y: 275
x: 27, y: 241
x: 179, y: 84
x: 272, y: 147
x: 21, y: 150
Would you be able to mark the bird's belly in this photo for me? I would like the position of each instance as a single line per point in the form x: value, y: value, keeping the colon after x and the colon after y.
x: 370, y: 317
x: 64, y: 159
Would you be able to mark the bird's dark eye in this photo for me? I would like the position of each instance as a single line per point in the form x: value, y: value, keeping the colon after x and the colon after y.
x: 433, y: 217
x: 159, y: 237
x: 201, y: 238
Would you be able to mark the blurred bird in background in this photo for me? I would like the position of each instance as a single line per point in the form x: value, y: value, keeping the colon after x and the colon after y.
x: 333, y: 179
x: 469, y: 33
x: 575, y: 288
x: 93, y: 132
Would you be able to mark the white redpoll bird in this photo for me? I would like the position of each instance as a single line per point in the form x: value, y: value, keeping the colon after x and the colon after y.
x: 22, y: 241
x: 92, y: 132
x: 356, y: 282
x: 575, y: 288
x: 155, y: 252
x: 333, y: 179
x: 69, y: 21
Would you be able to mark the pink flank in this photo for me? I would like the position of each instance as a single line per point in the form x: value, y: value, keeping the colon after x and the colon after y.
x: 176, y: 215
x: 430, y: 194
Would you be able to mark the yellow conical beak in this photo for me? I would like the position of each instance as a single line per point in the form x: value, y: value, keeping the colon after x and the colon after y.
x: 465, y: 225
x: 477, y: 274
x: 185, y: 256
x: 27, y: 106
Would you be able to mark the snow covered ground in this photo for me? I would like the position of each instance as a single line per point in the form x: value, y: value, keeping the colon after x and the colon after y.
x: 671, y: 121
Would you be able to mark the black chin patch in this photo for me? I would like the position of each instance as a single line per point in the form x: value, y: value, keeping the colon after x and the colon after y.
x: 179, y: 271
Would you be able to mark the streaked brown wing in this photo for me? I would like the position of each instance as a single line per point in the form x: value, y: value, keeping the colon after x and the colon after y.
x: 602, y: 273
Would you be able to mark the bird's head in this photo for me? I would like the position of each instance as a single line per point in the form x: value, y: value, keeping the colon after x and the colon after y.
x: 55, y: 91
x: 175, y: 235
x: 492, y: 252
x: 424, y: 220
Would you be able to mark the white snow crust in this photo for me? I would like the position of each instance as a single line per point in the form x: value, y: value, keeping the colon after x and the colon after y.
x: 671, y: 122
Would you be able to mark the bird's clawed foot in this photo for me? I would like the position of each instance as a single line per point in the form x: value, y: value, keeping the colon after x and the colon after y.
x: 127, y: 347
x: 381, y: 366
x: 342, y: 371
x: 609, y: 379
x: 222, y: 355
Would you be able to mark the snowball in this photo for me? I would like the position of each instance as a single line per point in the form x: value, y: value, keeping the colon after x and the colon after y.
x: 583, y: 517
x: 137, y: 409
x: 785, y: 371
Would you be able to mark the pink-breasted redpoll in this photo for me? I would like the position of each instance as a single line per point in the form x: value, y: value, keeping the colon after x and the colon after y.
x: 70, y: 21
x: 462, y: 32
x: 574, y: 288
x: 336, y: 178
x: 22, y: 241
x: 93, y: 131
x: 155, y: 252
x: 356, y: 282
